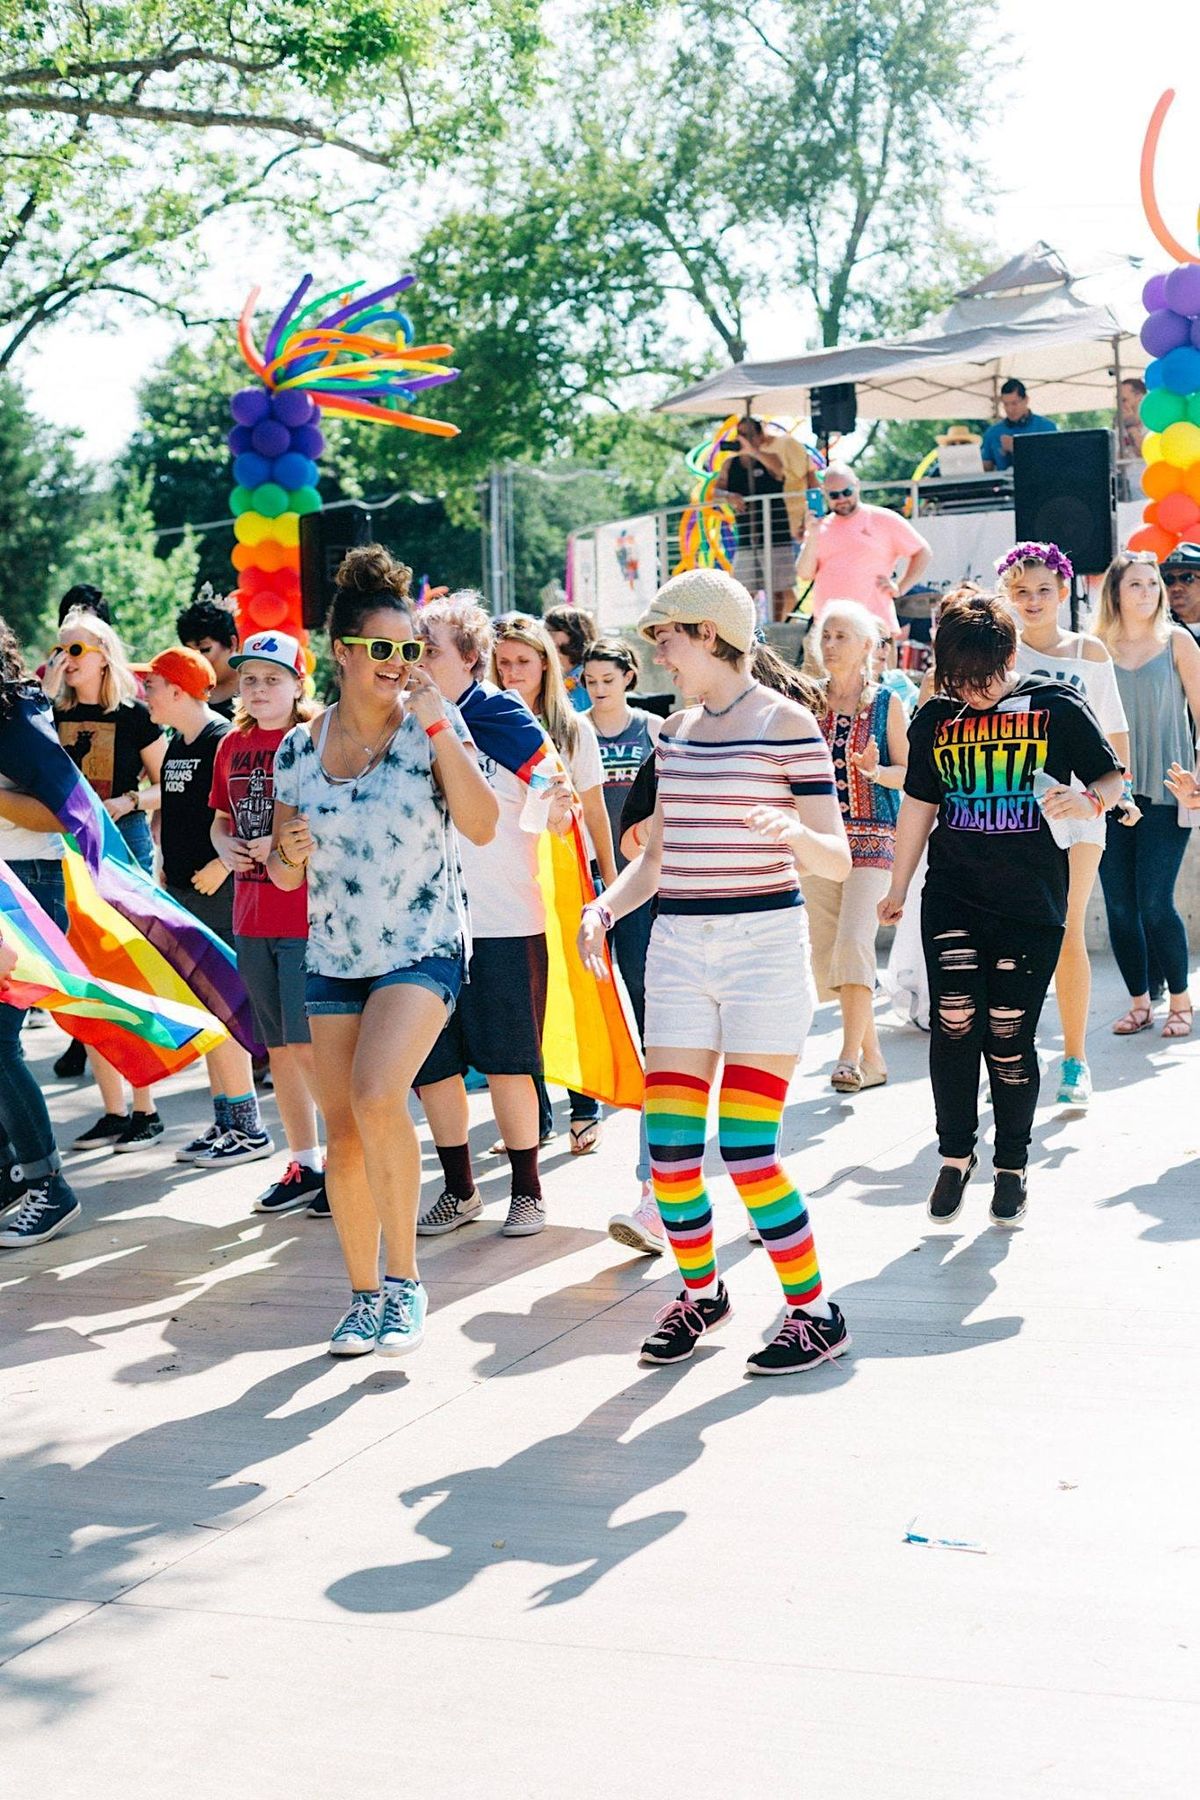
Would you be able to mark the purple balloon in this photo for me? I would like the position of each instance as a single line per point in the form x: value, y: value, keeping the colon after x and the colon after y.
x: 239, y: 440
x: 1196, y: 333
x: 292, y: 406
x: 250, y: 470
x: 309, y: 440
x: 1164, y: 331
x: 271, y: 439
x: 1154, y: 295
x: 1183, y: 290
x: 250, y: 405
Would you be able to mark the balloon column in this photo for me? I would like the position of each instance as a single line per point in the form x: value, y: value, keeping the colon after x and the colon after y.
x: 1171, y: 408
x: 707, y: 534
x: 357, y: 359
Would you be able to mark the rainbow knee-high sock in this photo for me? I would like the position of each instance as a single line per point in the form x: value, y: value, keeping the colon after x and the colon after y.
x: 676, y: 1115
x: 751, y: 1106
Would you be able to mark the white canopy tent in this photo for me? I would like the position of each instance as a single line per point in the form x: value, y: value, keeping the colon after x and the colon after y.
x: 1071, y: 337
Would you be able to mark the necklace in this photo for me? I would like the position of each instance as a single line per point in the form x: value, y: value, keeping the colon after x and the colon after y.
x: 371, y: 754
x: 718, y: 712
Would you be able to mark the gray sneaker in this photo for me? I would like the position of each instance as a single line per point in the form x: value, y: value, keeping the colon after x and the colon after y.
x: 448, y: 1212
x: 526, y: 1217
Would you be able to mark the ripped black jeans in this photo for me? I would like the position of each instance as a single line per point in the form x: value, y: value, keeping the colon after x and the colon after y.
x: 988, y: 976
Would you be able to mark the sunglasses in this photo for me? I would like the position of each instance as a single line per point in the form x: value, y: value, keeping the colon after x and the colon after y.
x: 381, y: 650
x: 838, y: 493
x: 516, y: 625
x: 1180, y: 577
x: 75, y: 649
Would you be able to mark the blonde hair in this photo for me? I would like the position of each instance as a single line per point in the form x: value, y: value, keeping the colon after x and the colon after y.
x: 470, y: 628
x: 1108, y: 619
x: 557, y: 712
x: 864, y: 624
x: 118, y: 684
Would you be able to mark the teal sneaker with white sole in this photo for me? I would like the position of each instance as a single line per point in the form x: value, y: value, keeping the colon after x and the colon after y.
x: 1075, y: 1083
x: 357, y: 1331
x: 402, y: 1319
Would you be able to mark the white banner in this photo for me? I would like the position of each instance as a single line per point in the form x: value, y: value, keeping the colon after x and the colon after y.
x: 967, y: 546
x: 583, y: 573
x: 626, y: 571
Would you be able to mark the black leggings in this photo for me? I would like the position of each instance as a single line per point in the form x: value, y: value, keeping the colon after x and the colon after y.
x: 988, y: 976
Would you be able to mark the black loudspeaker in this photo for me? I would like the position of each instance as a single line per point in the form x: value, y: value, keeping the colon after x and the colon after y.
x: 1063, y: 488
x: 325, y: 538
x: 834, y: 410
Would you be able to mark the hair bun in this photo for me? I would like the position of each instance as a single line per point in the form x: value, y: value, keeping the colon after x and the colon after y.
x: 370, y: 569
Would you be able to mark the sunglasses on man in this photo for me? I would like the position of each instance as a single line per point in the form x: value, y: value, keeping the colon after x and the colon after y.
x: 838, y: 493
x: 381, y: 649
x: 1180, y: 577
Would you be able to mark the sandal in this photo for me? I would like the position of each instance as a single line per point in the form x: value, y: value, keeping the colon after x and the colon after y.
x: 1178, y: 1023
x: 1138, y: 1018
x: 846, y: 1078
x: 874, y: 1078
x: 585, y: 1136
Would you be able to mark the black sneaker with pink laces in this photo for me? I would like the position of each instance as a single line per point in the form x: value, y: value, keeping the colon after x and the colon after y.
x: 298, y: 1186
x: 803, y: 1341
x: 681, y: 1325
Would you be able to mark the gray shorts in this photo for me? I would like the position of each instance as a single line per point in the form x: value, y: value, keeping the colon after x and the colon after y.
x: 273, y: 971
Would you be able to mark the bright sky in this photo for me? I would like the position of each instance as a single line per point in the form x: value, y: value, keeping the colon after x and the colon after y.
x: 1062, y: 134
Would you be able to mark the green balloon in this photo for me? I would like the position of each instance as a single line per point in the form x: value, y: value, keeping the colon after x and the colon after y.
x: 241, y: 500
x: 304, y: 500
x: 1160, y: 409
x: 1193, y: 409
x: 270, y: 500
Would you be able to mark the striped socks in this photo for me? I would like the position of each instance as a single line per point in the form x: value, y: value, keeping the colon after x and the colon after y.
x: 676, y: 1115
x: 751, y: 1107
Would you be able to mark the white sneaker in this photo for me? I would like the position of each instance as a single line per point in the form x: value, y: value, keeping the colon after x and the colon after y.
x: 448, y: 1212
x: 642, y: 1228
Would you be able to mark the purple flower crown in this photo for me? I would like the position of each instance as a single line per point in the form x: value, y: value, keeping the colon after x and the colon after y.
x: 1055, y: 559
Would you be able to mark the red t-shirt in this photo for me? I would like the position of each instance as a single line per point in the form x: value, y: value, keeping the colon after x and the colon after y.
x: 243, y: 786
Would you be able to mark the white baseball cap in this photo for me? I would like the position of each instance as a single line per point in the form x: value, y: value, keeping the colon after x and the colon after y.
x: 272, y: 647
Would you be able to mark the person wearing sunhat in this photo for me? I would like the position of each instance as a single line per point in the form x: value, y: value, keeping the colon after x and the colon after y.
x: 177, y: 683
x: 958, y: 437
x: 746, y: 804
x: 1181, y: 574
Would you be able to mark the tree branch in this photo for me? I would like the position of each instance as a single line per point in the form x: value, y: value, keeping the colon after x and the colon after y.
x: 207, y: 120
x: 166, y: 64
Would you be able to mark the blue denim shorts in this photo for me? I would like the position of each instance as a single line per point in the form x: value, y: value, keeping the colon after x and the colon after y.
x: 442, y: 975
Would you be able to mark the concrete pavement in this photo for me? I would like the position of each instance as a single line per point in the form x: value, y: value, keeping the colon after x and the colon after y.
x: 521, y: 1565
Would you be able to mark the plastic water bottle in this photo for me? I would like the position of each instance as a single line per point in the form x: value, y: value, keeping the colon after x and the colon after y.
x: 1060, y: 829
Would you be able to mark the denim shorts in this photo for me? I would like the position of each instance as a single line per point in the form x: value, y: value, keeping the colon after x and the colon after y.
x: 442, y: 975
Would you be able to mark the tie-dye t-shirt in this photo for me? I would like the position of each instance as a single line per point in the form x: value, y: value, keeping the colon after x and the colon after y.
x: 993, y: 849
x: 385, y: 884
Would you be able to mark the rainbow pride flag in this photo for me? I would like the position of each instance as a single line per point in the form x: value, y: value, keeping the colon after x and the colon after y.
x: 169, y: 954
x: 142, y: 1037
x: 586, y: 1043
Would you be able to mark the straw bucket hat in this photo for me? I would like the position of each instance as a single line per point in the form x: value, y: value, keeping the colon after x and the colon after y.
x: 699, y: 594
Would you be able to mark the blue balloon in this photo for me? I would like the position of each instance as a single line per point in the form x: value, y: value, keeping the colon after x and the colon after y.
x: 1180, y: 370
x: 239, y: 439
x: 293, y: 471
x: 1152, y: 375
x: 251, y: 470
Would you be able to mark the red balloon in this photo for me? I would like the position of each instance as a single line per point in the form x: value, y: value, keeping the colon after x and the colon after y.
x: 266, y: 611
x: 1178, y: 513
x: 1155, y: 539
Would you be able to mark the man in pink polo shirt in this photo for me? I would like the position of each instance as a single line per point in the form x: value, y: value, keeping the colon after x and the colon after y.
x: 853, y: 552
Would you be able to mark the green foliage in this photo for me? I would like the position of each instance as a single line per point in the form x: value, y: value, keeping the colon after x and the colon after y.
x: 44, y: 498
x: 144, y: 590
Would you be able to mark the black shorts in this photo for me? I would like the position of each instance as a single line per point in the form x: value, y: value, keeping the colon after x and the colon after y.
x: 497, y: 1025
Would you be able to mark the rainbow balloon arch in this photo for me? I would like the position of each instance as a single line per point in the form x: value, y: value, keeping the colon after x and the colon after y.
x: 358, y: 360
x: 1170, y: 410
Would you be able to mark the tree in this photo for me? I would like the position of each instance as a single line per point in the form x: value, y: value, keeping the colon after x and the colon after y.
x: 44, y: 497
x: 124, y: 129
x: 118, y: 553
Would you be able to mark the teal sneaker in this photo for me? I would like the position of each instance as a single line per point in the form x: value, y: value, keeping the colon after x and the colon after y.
x: 1075, y: 1083
x: 357, y: 1331
x: 402, y: 1319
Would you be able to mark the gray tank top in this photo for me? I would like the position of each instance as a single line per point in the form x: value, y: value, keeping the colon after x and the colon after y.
x: 1160, y: 729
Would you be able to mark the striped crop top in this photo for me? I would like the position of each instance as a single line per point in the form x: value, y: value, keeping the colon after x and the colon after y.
x: 712, y: 862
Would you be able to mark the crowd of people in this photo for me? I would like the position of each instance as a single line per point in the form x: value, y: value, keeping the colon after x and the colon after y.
x: 374, y: 865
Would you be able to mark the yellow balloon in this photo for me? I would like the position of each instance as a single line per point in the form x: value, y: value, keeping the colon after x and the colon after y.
x: 1152, y: 450
x: 1181, y: 444
x: 286, y: 528
x: 252, y: 528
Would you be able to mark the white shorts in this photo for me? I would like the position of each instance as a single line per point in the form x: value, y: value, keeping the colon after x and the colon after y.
x: 737, y: 982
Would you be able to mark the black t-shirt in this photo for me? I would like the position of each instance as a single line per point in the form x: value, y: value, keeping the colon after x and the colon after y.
x: 641, y: 798
x: 187, y: 773
x: 107, y: 746
x: 751, y: 480
x: 992, y: 848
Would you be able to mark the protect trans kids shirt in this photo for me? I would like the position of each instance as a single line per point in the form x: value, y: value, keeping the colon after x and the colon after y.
x: 993, y: 849
x: 243, y: 786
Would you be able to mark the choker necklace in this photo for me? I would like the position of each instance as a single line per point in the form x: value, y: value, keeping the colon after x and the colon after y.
x: 718, y: 712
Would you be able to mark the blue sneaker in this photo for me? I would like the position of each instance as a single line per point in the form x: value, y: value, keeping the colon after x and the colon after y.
x: 48, y: 1207
x: 402, y: 1321
x: 1075, y: 1083
x: 357, y: 1331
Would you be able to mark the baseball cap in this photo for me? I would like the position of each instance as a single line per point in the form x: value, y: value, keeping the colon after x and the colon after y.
x: 273, y: 647
x: 1183, y: 556
x: 699, y: 594
x: 185, y: 668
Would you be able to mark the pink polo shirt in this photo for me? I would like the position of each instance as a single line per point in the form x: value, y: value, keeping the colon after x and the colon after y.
x: 853, y: 552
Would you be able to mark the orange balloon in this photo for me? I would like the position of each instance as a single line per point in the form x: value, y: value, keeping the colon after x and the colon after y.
x: 1191, y: 481
x: 1178, y: 513
x: 243, y: 557
x: 1155, y: 539
x: 1161, y: 479
x: 273, y: 556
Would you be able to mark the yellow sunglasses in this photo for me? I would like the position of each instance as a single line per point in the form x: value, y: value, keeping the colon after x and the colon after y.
x: 381, y: 649
x: 75, y: 649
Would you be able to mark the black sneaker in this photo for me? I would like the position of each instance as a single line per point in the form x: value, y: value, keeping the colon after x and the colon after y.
x: 1008, y: 1197
x: 681, y: 1325
x: 46, y: 1210
x: 72, y: 1063
x: 319, y: 1207
x: 104, y: 1133
x: 13, y: 1186
x: 802, y: 1342
x: 296, y: 1187
x: 140, y: 1129
x: 949, y: 1190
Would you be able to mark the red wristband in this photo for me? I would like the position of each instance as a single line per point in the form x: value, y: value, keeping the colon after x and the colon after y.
x: 438, y: 725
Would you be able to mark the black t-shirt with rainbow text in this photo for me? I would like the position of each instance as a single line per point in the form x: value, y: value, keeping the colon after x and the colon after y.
x: 992, y: 848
